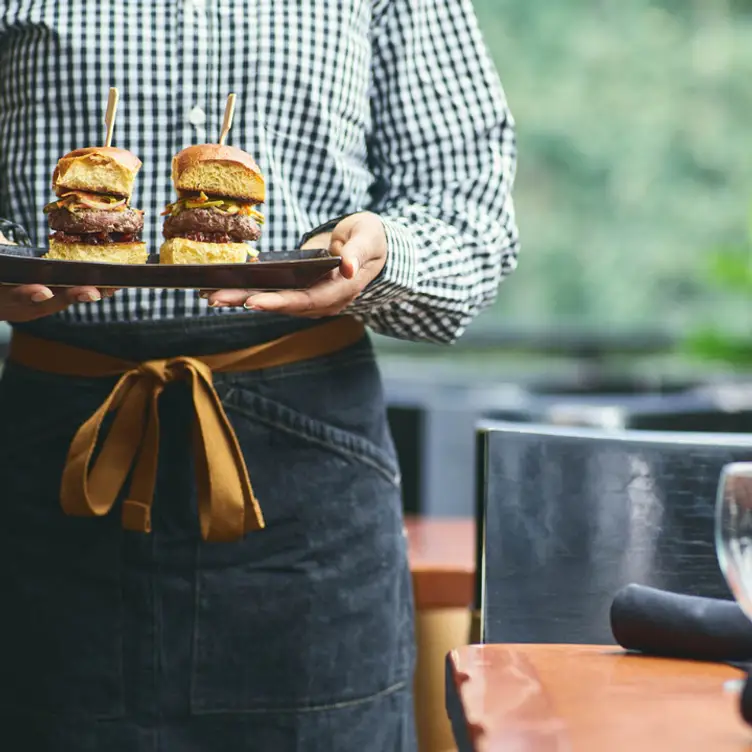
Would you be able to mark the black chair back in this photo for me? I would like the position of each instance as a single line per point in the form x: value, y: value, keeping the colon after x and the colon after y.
x: 568, y: 516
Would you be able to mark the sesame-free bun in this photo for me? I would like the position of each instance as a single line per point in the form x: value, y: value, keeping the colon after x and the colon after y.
x: 107, y: 253
x: 220, y: 171
x: 184, y: 251
x: 97, y: 169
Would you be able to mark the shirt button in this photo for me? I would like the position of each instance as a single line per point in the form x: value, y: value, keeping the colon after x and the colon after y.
x: 197, y: 116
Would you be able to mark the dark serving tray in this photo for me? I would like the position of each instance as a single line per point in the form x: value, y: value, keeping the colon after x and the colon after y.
x: 281, y: 270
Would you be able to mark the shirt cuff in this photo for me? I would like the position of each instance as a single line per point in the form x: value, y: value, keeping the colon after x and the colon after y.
x: 399, y: 274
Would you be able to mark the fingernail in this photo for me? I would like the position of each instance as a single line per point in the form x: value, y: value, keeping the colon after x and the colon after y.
x: 89, y: 297
x: 41, y: 296
x: 215, y: 304
x: 250, y: 306
x: 355, y: 267
x: 204, y: 295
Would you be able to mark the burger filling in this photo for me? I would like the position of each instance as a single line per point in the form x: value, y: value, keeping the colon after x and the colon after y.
x: 96, y: 238
x: 93, y: 219
x: 219, y: 206
x: 207, y: 226
x: 80, y: 201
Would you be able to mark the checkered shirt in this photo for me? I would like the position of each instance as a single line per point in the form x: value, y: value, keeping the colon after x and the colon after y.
x: 391, y: 106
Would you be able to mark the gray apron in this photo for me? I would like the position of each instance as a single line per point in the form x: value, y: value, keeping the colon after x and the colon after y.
x: 298, y: 638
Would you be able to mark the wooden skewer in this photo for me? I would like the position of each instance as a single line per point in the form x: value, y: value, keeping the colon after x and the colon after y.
x: 227, y: 123
x: 109, y: 118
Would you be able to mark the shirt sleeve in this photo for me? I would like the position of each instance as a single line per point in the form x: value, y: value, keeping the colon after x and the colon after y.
x: 442, y: 152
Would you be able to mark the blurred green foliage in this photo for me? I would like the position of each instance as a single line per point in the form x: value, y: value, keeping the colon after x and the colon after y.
x: 633, y: 127
x: 729, y: 271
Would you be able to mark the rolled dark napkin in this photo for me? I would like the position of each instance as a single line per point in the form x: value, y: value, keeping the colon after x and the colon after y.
x: 745, y: 701
x: 657, y: 622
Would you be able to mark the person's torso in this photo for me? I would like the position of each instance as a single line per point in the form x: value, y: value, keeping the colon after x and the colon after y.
x: 300, y: 69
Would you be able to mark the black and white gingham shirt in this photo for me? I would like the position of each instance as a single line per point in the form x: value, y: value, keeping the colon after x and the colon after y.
x: 388, y: 105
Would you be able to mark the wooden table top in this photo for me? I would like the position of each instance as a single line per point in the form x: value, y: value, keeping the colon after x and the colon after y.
x: 551, y: 698
x: 442, y: 560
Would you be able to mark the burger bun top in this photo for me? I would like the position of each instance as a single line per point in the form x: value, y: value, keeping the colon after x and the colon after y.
x: 220, y: 171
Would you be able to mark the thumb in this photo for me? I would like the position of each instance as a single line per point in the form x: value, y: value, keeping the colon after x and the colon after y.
x: 350, y: 241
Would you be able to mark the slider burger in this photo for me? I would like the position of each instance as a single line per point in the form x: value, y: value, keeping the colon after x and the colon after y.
x: 214, y: 219
x: 91, y: 220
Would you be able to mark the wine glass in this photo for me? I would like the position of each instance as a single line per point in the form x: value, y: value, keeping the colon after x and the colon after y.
x: 733, y: 535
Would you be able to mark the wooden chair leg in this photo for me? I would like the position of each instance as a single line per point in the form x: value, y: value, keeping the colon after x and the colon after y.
x: 437, y: 632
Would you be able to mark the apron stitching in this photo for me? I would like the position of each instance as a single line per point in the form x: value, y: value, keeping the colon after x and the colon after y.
x: 393, y: 689
x: 392, y: 477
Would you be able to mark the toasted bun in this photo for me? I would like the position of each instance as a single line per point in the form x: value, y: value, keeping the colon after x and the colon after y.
x: 184, y: 251
x: 97, y: 169
x: 107, y: 253
x: 218, y: 170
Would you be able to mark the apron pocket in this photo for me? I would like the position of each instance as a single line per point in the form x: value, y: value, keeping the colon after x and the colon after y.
x: 314, y: 611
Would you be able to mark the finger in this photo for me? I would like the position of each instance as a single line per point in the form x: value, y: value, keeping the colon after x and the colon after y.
x: 81, y: 294
x: 230, y: 298
x: 40, y: 300
x: 320, y: 297
x: 37, y: 301
x: 25, y: 294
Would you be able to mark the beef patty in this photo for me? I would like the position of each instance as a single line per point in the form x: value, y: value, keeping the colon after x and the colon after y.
x: 129, y: 221
x: 192, y: 221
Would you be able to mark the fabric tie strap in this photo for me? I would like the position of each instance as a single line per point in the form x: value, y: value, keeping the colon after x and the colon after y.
x: 227, y: 505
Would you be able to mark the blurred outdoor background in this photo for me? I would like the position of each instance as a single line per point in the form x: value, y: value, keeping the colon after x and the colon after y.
x: 634, y: 201
x: 633, y: 122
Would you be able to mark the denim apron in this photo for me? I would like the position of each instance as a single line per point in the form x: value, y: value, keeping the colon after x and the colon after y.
x: 298, y: 638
